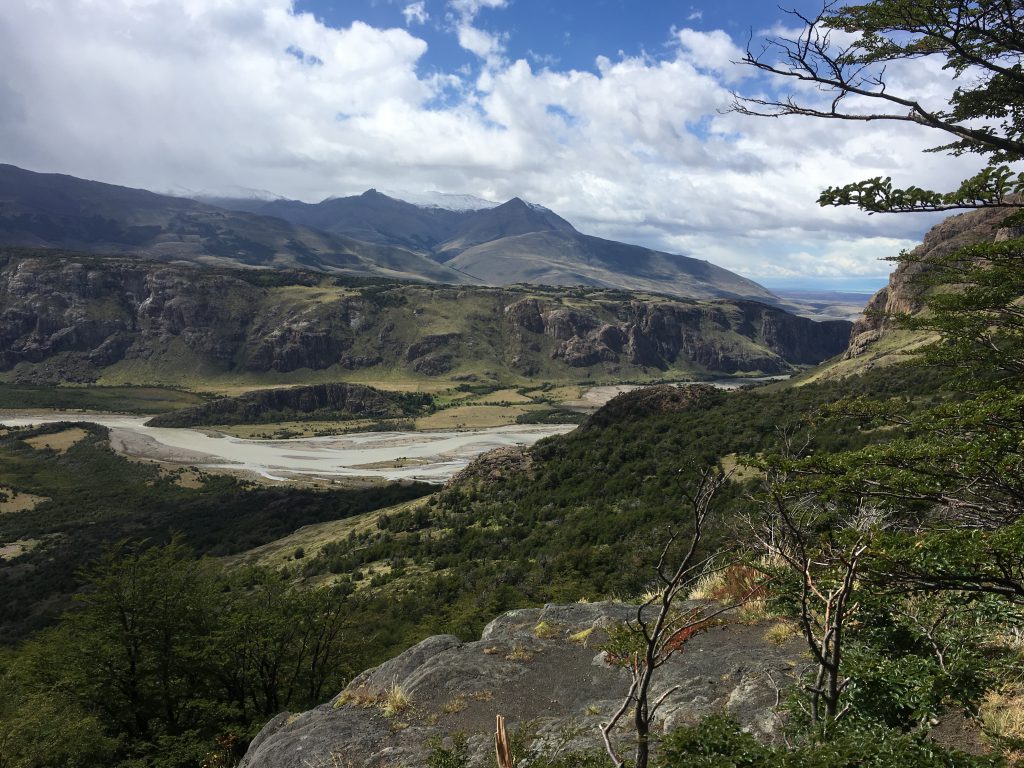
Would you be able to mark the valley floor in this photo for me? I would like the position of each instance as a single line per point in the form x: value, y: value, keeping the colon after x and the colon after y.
x: 426, y: 456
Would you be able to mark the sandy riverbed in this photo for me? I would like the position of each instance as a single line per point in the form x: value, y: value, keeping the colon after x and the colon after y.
x: 595, y: 397
x: 429, y: 456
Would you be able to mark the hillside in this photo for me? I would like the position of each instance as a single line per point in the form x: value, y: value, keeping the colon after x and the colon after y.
x: 74, y: 318
x: 58, y: 211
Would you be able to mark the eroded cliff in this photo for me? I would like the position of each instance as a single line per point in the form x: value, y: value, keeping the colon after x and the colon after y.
x: 71, y: 318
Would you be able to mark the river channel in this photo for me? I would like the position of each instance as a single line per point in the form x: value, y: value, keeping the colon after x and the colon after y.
x: 429, y: 456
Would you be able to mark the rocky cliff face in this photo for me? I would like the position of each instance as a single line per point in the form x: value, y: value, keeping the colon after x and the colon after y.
x: 544, y: 671
x: 327, y: 401
x: 902, y: 295
x: 656, y: 334
x: 72, y: 318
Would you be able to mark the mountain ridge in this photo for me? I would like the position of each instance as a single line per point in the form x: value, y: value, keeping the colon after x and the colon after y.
x: 61, y: 211
x: 514, y: 242
x: 83, y: 318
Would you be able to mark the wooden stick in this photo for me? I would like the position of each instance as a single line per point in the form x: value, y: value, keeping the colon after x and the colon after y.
x: 501, y: 747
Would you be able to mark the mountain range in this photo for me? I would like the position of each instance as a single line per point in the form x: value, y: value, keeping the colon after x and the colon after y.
x: 369, y: 235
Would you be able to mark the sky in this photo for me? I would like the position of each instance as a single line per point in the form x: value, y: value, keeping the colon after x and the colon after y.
x: 613, y: 113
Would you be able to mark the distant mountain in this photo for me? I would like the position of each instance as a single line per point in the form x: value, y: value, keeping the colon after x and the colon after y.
x: 370, y: 217
x: 515, y: 242
x: 444, y: 200
x: 369, y: 234
x: 57, y: 211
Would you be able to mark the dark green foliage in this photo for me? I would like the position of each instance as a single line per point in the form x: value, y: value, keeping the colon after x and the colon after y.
x: 165, y: 659
x: 589, y: 517
x: 317, y: 402
x: 455, y: 757
x: 718, y: 742
x: 984, y: 115
x: 97, y: 498
x: 120, y: 399
x: 973, y: 297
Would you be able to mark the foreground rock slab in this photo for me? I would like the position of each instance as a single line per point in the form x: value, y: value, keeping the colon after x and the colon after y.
x: 540, y: 668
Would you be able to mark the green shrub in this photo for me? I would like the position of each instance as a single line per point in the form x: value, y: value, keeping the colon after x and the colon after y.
x: 718, y: 742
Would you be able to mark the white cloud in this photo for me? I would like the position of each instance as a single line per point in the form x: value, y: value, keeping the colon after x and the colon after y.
x: 489, y: 46
x: 470, y: 8
x: 416, y: 13
x: 200, y: 94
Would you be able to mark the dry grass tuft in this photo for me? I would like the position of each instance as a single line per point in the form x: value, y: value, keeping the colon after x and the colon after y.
x: 755, y: 611
x: 363, y: 697
x: 546, y: 631
x: 737, y: 582
x: 581, y: 638
x: 396, y: 700
x: 781, y: 632
x: 455, y: 704
x: 518, y: 653
x: 708, y: 585
x: 1002, y: 720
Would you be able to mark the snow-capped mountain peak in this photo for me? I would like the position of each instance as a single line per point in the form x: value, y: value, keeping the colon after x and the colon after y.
x: 443, y: 200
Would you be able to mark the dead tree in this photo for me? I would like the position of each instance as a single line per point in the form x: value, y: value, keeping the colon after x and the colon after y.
x: 827, y: 565
x: 661, y: 628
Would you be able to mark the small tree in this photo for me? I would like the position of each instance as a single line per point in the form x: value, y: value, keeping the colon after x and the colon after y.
x: 661, y: 628
x: 827, y: 565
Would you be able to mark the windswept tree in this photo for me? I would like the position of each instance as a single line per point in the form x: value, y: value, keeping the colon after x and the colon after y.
x: 846, y: 53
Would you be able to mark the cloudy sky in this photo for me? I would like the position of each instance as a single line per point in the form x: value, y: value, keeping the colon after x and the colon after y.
x: 609, y: 112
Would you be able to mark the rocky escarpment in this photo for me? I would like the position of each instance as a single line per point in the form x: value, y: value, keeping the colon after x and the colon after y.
x: 66, y: 317
x: 543, y: 670
x: 903, y: 293
x: 716, y: 336
x: 320, y: 401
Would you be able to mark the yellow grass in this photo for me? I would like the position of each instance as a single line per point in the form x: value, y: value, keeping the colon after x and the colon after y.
x: 1002, y: 718
x: 472, y: 417
x: 61, y: 442
x: 19, y: 502
x: 739, y: 467
x: 781, y: 632
x: 294, y: 428
x: 546, y: 631
x: 503, y: 396
x: 312, y: 538
x: 581, y: 638
x: 396, y: 700
x: 518, y: 653
x: 17, y: 548
x: 708, y: 585
x: 453, y: 705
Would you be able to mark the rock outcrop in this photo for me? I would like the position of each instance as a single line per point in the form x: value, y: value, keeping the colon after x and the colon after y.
x: 326, y: 401
x: 664, y: 334
x: 542, y: 669
x: 902, y: 294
